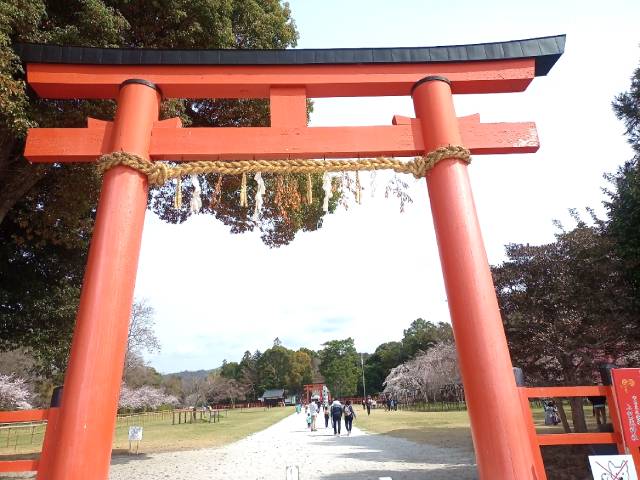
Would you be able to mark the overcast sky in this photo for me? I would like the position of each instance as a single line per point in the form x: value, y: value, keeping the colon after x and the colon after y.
x: 371, y: 270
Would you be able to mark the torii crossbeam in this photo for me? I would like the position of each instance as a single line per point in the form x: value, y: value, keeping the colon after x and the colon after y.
x: 139, y: 79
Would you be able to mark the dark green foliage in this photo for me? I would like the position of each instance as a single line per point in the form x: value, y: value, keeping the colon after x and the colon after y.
x: 627, y: 108
x: 567, y: 307
x: 279, y: 367
x: 340, y: 366
x: 422, y: 335
x: 231, y: 370
x: 419, y: 337
x: 47, y: 211
x: 623, y: 204
x: 378, y: 365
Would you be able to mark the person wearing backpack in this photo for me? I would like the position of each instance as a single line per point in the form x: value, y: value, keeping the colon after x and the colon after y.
x: 327, y: 414
x: 349, y: 415
x: 336, y: 416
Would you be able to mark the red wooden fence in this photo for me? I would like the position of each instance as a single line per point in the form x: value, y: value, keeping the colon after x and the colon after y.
x: 540, y: 439
x: 20, y: 416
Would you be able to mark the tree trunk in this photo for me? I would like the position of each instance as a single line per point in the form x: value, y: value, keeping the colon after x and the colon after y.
x: 563, y: 415
x: 577, y: 415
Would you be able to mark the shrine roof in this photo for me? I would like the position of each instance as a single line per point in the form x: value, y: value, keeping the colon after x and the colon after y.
x: 544, y: 50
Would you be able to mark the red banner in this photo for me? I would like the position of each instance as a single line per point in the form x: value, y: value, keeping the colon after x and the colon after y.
x: 626, y: 384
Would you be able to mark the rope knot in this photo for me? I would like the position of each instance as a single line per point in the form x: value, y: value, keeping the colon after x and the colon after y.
x: 159, y: 173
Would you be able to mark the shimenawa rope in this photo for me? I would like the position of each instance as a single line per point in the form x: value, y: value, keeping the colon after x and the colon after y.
x: 159, y: 173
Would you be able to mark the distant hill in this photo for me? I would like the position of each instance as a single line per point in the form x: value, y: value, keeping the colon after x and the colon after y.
x: 190, y: 374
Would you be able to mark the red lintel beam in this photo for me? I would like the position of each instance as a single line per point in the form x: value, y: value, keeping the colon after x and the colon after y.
x: 10, y: 466
x: 577, y: 438
x: 23, y: 416
x: 46, y: 145
x: 586, y: 391
x: 256, y: 81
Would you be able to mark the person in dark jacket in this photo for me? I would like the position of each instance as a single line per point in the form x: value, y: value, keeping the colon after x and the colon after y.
x: 349, y: 415
x: 336, y: 416
x: 599, y: 404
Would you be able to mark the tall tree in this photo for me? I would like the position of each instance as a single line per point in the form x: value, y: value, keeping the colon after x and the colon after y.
x: 378, y: 365
x: 47, y: 211
x: 230, y: 370
x: 142, y: 337
x: 274, y: 367
x: 423, y: 334
x: 300, y: 373
x: 340, y: 366
x: 566, y: 308
x: 623, y: 204
x: 432, y: 376
x: 249, y: 375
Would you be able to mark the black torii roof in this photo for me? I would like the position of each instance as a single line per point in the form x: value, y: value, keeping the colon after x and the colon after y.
x: 545, y: 50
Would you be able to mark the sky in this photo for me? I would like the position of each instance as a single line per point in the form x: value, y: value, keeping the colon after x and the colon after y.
x: 371, y: 270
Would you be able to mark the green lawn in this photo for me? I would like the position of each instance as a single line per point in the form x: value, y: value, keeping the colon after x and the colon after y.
x: 159, y: 434
x: 442, y: 429
x: 163, y: 436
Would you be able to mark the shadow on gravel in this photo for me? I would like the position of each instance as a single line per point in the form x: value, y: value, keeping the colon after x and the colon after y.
x: 121, y: 458
x: 447, y: 473
x: 382, y: 448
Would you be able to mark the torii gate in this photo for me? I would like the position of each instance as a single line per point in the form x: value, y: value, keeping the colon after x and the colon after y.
x: 139, y: 79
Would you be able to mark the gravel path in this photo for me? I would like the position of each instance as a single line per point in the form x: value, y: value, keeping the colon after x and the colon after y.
x: 318, y: 455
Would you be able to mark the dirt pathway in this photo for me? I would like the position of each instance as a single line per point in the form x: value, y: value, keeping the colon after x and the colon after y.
x: 318, y: 455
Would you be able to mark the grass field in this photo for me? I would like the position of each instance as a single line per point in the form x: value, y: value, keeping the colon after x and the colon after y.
x: 163, y: 436
x: 442, y: 429
x: 159, y: 434
x: 451, y: 429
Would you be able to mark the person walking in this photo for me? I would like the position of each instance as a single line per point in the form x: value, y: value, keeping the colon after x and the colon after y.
x: 369, y: 405
x: 599, y: 405
x: 327, y: 413
x: 336, y: 416
x: 313, y: 411
x: 349, y: 415
x: 308, y: 418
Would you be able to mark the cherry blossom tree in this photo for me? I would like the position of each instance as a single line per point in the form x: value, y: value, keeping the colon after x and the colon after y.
x: 144, y: 398
x: 428, y: 375
x: 14, y: 393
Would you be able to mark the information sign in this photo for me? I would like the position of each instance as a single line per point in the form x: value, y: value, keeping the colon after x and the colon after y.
x: 135, y: 434
x: 612, y: 467
x: 626, y: 384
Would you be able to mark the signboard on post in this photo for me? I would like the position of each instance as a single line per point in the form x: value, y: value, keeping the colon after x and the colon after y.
x: 626, y: 384
x: 135, y: 435
x: 612, y: 467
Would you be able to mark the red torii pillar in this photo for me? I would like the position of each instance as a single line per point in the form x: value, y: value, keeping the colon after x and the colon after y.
x: 485, y: 364
x: 92, y: 382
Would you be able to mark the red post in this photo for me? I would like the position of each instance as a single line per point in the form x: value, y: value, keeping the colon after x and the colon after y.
x: 86, y: 424
x: 501, y: 443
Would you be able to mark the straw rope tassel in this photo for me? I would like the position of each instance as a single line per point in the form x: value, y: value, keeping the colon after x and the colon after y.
x: 196, y: 197
x: 177, y: 200
x: 309, y: 190
x: 358, y: 189
x: 326, y: 187
x: 243, y: 191
x: 261, y: 189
